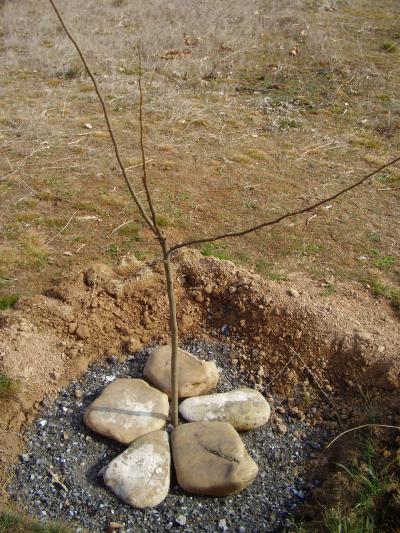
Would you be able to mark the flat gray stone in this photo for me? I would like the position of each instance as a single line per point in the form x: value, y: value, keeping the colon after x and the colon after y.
x: 126, y: 410
x: 195, y: 377
x: 210, y: 459
x: 140, y: 476
x: 244, y: 408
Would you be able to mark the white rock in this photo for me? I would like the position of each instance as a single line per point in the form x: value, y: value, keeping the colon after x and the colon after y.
x: 127, y: 409
x: 244, y: 408
x: 140, y: 476
x: 195, y: 377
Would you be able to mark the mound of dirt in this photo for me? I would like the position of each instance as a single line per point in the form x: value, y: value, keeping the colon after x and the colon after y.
x: 285, y: 336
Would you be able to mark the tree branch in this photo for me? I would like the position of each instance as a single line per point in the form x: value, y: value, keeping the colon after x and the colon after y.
x: 282, y: 217
x: 144, y: 165
x: 107, y: 119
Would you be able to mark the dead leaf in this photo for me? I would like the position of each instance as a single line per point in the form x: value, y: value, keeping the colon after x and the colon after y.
x: 56, y: 479
x: 88, y: 126
x: 294, y: 51
x: 225, y: 48
x: 176, y: 54
x: 189, y: 40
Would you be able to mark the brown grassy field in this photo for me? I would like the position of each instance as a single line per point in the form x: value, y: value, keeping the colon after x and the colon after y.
x: 251, y: 109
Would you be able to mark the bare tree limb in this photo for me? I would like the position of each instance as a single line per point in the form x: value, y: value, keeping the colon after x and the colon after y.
x: 144, y: 166
x: 107, y: 119
x: 279, y: 219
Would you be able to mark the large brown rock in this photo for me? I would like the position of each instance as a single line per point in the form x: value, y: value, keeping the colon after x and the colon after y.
x: 244, y: 408
x: 126, y: 410
x: 195, y: 377
x: 140, y: 476
x: 210, y: 458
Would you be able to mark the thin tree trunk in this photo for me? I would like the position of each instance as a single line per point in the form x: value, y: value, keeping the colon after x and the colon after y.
x: 173, y: 325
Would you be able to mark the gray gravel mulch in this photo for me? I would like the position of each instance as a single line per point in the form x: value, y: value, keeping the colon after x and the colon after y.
x: 58, y: 475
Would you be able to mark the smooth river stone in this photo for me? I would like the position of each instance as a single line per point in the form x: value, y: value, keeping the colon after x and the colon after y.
x: 140, y: 476
x: 244, y: 408
x: 210, y: 459
x: 126, y: 410
x: 195, y: 377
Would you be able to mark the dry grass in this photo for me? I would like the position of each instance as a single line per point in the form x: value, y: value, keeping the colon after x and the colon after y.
x: 14, y: 523
x: 275, y: 106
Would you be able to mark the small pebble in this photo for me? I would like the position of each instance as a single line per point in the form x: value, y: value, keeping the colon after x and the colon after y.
x: 181, y: 520
x: 293, y: 292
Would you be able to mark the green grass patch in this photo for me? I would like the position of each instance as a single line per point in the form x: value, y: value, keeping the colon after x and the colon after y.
x: 6, y: 302
x: 13, y: 523
x: 372, y: 488
x: 130, y: 230
x: 210, y: 249
x: 385, y: 262
x: 162, y: 221
x: 381, y: 290
x: 389, y: 47
x: 289, y: 124
x: 374, y: 236
x: 8, y: 386
x: 264, y: 268
x: 329, y: 290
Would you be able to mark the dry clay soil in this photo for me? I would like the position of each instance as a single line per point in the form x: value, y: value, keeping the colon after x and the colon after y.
x: 346, y: 341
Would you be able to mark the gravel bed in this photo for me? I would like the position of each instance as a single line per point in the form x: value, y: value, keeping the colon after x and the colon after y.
x: 58, y: 475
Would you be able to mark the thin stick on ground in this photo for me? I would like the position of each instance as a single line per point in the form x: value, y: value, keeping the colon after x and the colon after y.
x: 314, y: 377
x: 280, y: 372
x: 61, y: 230
x: 360, y: 427
x: 122, y: 225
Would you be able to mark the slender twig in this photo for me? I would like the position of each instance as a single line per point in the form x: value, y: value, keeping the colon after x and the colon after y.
x: 144, y: 166
x: 360, y: 427
x: 122, y: 225
x: 61, y: 230
x: 286, y: 215
x: 312, y: 374
x: 107, y: 119
x: 280, y: 372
